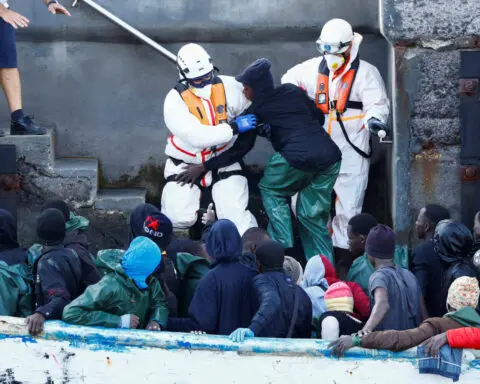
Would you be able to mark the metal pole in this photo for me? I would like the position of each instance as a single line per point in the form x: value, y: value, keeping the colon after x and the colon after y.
x: 165, y: 52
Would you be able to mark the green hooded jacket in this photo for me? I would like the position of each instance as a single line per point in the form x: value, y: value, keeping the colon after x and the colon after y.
x: 362, y: 268
x: 15, y: 290
x: 103, y: 304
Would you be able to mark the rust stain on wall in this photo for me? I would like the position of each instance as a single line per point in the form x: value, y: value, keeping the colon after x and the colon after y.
x: 428, y: 161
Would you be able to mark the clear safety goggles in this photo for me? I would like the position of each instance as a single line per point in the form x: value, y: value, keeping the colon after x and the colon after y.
x: 332, y: 48
x: 202, y: 81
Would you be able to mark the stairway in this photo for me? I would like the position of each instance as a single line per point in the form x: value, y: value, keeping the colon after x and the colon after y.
x: 74, y: 180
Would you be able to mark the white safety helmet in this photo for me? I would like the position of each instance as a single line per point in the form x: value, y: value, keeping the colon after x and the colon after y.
x: 336, y: 37
x: 193, y: 61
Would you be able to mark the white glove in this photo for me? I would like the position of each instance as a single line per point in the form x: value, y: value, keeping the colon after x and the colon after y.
x: 125, y: 321
x: 209, y: 216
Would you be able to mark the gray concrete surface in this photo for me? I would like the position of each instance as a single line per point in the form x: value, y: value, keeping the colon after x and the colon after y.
x: 119, y: 200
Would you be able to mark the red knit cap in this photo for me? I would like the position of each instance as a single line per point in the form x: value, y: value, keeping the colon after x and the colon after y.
x: 339, y: 297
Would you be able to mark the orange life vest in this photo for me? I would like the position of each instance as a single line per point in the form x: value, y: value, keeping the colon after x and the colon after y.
x: 195, y: 105
x: 322, y: 99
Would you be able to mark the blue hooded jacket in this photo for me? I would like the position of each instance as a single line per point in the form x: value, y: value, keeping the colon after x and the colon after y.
x: 224, y: 299
x: 140, y: 260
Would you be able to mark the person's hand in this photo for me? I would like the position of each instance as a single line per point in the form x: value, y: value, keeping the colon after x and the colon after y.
x: 364, y: 332
x: 57, y: 9
x: 375, y: 126
x: 209, y: 216
x: 35, y: 323
x: 341, y: 345
x: 134, y: 321
x: 190, y: 174
x: 16, y: 20
x: 154, y: 326
x: 433, y: 344
x: 241, y: 334
x: 245, y: 123
x: 198, y: 332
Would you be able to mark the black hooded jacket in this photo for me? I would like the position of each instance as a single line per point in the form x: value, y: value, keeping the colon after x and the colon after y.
x: 453, y: 243
x: 10, y: 253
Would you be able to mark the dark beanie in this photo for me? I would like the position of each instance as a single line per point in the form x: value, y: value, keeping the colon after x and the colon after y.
x: 146, y: 220
x: 271, y: 255
x: 380, y: 242
x: 258, y: 77
x: 51, y: 226
x: 60, y: 205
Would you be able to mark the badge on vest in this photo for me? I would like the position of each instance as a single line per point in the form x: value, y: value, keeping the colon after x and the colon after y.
x: 321, y: 98
x: 220, y: 109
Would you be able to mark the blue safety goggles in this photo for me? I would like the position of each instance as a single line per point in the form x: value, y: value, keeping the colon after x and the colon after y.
x: 202, y: 81
x: 332, y: 49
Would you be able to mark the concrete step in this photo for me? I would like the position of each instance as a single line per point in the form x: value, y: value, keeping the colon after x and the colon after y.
x: 120, y: 199
x: 37, y: 150
x: 72, y: 180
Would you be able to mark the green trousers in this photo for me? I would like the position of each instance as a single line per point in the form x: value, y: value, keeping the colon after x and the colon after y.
x: 282, y: 181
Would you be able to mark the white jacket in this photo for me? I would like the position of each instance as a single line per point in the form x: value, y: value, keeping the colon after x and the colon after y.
x: 190, y: 137
x: 368, y: 88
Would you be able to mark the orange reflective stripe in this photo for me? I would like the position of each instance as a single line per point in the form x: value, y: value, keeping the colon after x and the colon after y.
x: 330, y: 122
x: 332, y: 118
x: 180, y: 149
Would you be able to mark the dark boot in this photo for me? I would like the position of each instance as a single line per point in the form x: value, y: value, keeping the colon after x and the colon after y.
x: 343, y: 261
x: 26, y: 126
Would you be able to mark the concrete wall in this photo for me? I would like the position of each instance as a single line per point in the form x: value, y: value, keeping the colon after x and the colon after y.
x: 427, y: 37
x: 105, y: 96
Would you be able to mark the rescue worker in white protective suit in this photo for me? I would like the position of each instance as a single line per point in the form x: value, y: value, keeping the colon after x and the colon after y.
x: 352, y: 95
x: 203, y: 114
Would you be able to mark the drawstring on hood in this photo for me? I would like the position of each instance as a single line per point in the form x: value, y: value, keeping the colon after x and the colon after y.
x: 8, y: 231
x: 453, y: 241
x: 224, y: 243
x: 315, y: 284
x: 141, y: 260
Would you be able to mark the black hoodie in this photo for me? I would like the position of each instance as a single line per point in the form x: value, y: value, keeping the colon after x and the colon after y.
x: 10, y: 253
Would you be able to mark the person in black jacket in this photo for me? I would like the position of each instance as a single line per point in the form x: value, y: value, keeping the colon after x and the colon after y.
x: 425, y: 264
x: 453, y: 244
x: 307, y: 161
x: 285, y: 309
x: 57, y: 272
x: 224, y: 299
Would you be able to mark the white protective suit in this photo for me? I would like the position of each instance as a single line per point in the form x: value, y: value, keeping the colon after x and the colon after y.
x: 191, y: 142
x: 369, y: 89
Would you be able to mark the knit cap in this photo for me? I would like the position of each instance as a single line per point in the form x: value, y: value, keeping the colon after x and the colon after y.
x: 380, y: 242
x: 463, y: 292
x: 270, y: 254
x: 293, y: 269
x: 51, y: 227
x: 258, y: 77
x: 339, y: 297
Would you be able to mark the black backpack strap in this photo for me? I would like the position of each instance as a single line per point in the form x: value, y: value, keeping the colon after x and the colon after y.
x: 295, y: 312
x: 355, y: 148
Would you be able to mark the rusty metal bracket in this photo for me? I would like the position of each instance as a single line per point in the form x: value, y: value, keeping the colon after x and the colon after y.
x: 469, y: 173
x: 469, y: 87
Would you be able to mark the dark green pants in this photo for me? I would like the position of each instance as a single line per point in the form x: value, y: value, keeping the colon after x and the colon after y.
x: 314, y: 189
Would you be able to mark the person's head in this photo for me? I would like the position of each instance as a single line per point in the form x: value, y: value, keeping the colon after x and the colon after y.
x: 195, y: 248
x: 428, y: 218
x: 253, y: 237
x: 463, y: 292
x: 51, y: 228
x: 196, y: 67
x: 335, y: 43
x: 60, y: 205
x: 142, y: 258
x: 452, y: 241
x: 358, y: 229
x: 223, y: 242
x: 314, y: 274
x: 8, y: 231
x: 380, y: 245
x: 293, y: 269
x: 147, y: 220
x: 339, y: 297
x: 257, y: 79
x: 270, y: 256
x: 476, y: 227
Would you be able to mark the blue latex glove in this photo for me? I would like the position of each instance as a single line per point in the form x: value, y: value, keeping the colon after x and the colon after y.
x: 375, y: 126
x: 246, y: 123
x: 241, y: 334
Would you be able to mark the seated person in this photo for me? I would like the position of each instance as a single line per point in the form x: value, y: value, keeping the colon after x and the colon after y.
x: 285, y: 309
x: 462, y: 300
x: 251, y: 240
x: 224, y: 299
x: 338, y: 320
x: 307, y: 161
x: 57, y: 272
x: 75, y: 238
x: 15, y: 279
x: 315, y: 285
x: 128, y: 296
x: 293, y: 269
